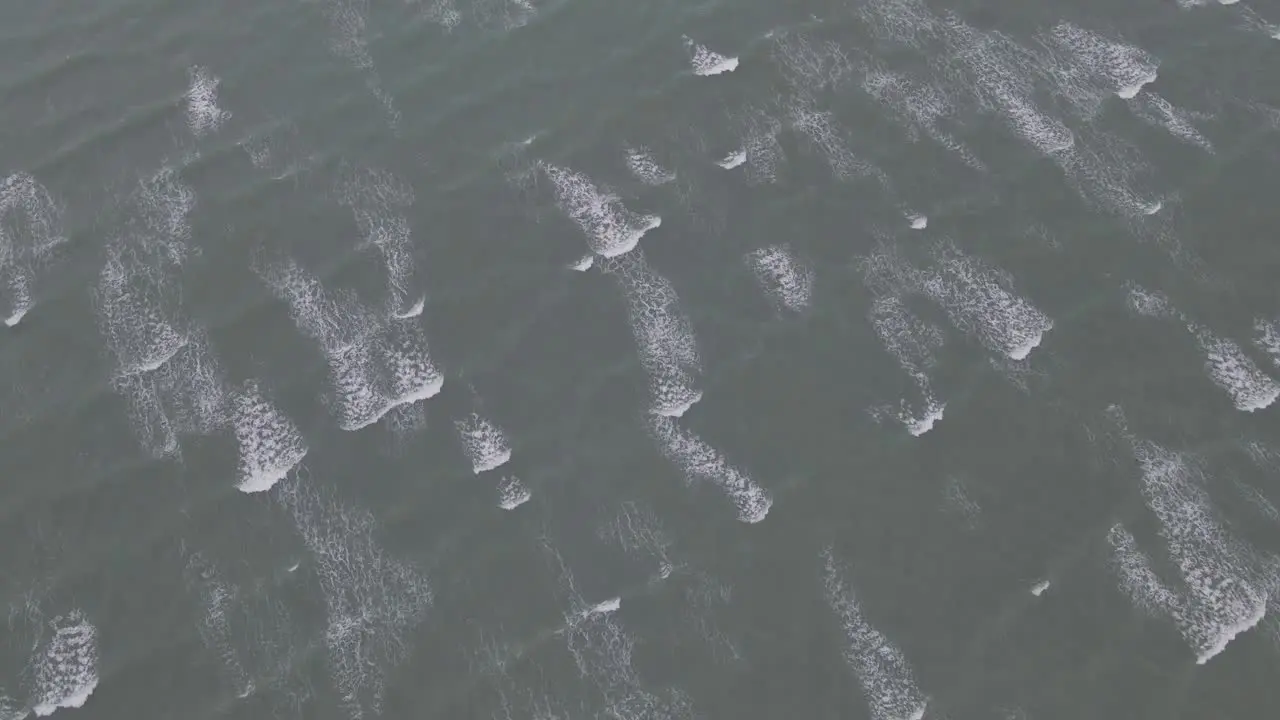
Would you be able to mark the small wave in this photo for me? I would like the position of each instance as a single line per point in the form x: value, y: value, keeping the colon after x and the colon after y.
x: 646, y: 169
x: 30, y: 228
x: 887, y: 678
x: 375, y: 364
x: 913, y: 343
x: 782, y: 276
x: 733, y: 159
x: 1230, y: 369
x: 1159, y: 112
x: 379, y: 200
x: 512, y: 493
x: 485, y: 443
x: 269, y: 443
x: 700, y: 461
x: 978, y: 299
x: 1219, y: 598
x: 611, y: 228
x: 705, y: 62
x: 203, y: 113
x: 1268, y: 338
x: 664, y: 337
x: 372, y: 601
x: 65, y: 671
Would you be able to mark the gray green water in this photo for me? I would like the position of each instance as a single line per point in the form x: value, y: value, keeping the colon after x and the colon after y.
x: 233, y: 481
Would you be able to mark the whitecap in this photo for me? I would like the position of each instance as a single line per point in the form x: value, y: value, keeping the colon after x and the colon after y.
x: 64, y: 672
x: 664, y: 337
x: 887, y: 678
x: 512, y: 493
x: 706, y: 62
x: 699, y: 461
x: 611, y: 229
x: 786, y: 280
x: 485, y: 443
x: 269, y: 443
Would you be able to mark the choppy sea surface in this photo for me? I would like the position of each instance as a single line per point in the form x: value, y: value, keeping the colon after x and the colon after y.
x: 556, y: 359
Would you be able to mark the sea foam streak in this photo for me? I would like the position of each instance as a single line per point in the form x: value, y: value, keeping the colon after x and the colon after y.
x: 372, y: 601
x: 64, y: 671
x: 269, y: 443
x: 602, y: 650
x: 1224, y: 360
x: 887, y: 680
x: 611, y: 228
x: 663, y: 335
x: 379, y: 200
x: 486, y: 444
x: 701, y: 462
x: 201, y: 98
x: 706, y: 62
x: 1219, y: 597
x: 787, y: 281
x: 912, y: 342
x: 376, y: 363
x: 646, y: 169
x: 978, y: 299
x: 30, y: 228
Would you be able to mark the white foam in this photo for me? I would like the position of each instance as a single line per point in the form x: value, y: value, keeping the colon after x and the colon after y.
x: 602, y: 651
x: 918, y: 222
x: 638, y: 530
x: 823, y: 132
x: 733, y: 159
x: 372, y: 601
x: 135, y: 317
x: 375, y: 364
x: 810, y: 66
x: 978, y: 299
x: 1039, y: 588
x: 184, y: 394
x: 646, y: 169
x: 705, y: 62
x: 30, y: 228
x: 664, y: 337
x: 782, y: 276
x: 583, y: 263
x: 913, y: 343
x: 203, y: 113
x: 65, y: 670
x: 512, y: 493
x: 1220, y: 599
x: 701, y: 462
x: 1159, y: 112
x: 269, y: 443
x: 413, y: 310
x: 379, y: 200
x: 1230, y: 369
x: 763, y: 153
x: 1116, y: 66
x: 611, y: 228
x: 606, y: 606
x: 1148, y: 302
x: 486, y: 444
x: 958, y: 500
x: 1268, y: 338
x: 217, y: 599
x: 1137, y: 578
x: 887, y: 678
x: 11, y: 709
x: 920, y: 106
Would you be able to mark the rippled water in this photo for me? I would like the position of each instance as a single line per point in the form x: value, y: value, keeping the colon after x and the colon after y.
x: 546, y: 359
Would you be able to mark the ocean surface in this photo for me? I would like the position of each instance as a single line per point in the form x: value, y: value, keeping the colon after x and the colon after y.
x: 651, y: 360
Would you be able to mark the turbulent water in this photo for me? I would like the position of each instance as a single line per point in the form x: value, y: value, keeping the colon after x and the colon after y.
x: 548, y: 359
